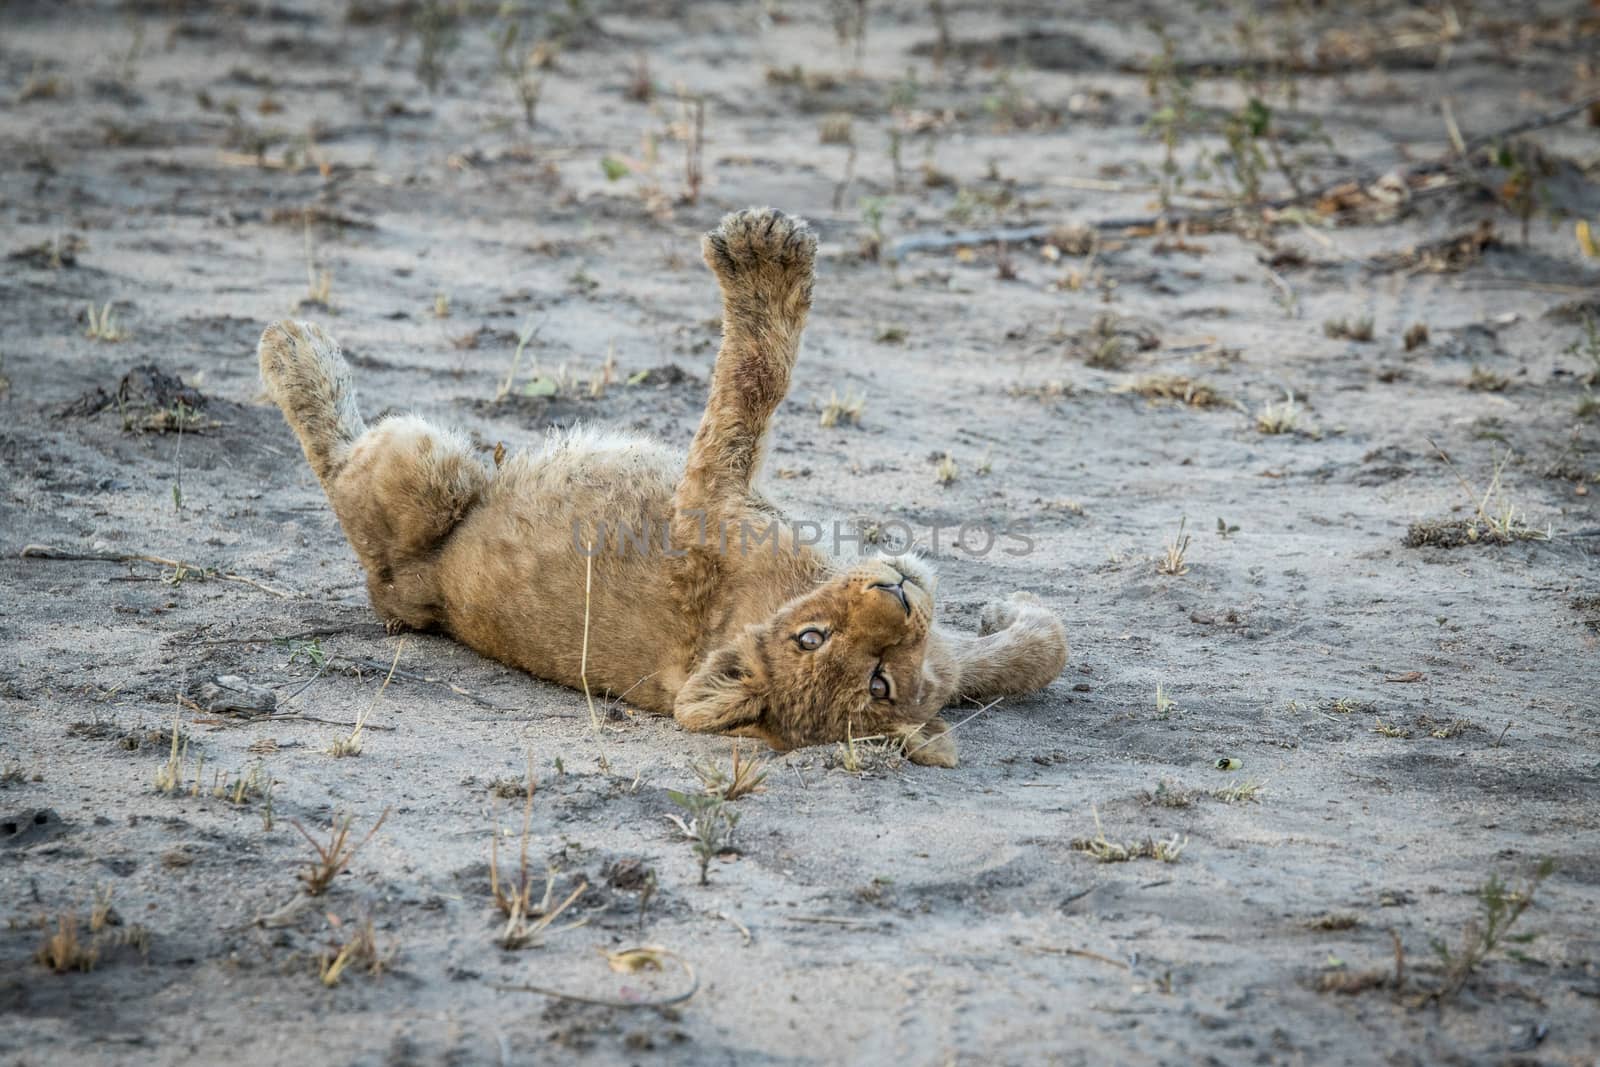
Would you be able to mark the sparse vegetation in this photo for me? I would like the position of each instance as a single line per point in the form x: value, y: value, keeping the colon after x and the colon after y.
x: 526, y: 922
x: 742, y: 778
x: 438, y: 35
x: 1499, y: 908
x: 1483, y: 380
x: 842, y: 411
x: 1587, y: 349
x: 1351, y: 329
x: 103, y: 324
x: 1237, y: 792
x: 945, y: 470
x: 522, y: 68
x: 709, y: 827
x: 360, y: 950
x: 78, y: 944
x: 1279, y: 418
x: 1497, y: 519
x: 1104, y: 850
x: 331, y: 857
x: 1172, y: 561
x: 1187, y: 391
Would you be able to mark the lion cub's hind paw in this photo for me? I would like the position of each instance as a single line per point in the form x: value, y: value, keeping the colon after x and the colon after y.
x: 761, y: 245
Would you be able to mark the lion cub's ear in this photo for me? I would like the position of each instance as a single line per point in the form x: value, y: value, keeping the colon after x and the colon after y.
x: 724, y: 694
x: 929, y: 743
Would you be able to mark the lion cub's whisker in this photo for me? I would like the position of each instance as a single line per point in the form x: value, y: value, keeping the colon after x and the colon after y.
x: 956, y: 727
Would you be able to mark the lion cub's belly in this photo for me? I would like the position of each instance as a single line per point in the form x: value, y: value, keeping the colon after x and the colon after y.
x: 589, y: 510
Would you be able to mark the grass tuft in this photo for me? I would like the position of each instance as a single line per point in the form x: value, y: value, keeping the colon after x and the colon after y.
x: 1172, y: 561
x: 333, y: 856
x: 1104, y: 850
x: 743, y: 778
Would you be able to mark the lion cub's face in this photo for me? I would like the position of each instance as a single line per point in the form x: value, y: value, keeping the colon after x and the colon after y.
x: 847, y: 659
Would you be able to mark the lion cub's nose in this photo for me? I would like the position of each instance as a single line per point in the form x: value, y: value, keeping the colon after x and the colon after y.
x: 896, y: 590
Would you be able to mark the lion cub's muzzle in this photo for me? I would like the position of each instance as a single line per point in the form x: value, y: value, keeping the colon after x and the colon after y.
x: 891, y: 602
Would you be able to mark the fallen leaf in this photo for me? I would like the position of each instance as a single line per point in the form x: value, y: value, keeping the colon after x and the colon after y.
x: 634, y: 960
x: 1408, y: 676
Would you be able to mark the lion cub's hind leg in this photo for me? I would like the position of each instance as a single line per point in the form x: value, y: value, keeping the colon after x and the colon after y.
x: 405, y: 488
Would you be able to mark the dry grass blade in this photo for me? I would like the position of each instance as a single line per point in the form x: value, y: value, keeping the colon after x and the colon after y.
x: 655, y: 953
x: 63, y: 952
x: 333, y: 856
x: 515, y: 901
x: 361, y: 949
x: 351, y: 746
x: 188, y: 570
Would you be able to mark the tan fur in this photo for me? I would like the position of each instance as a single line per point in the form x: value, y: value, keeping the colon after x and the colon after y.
x: 690, y: 628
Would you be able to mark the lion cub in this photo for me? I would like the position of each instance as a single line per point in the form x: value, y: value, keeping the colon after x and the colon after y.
x: 773, y: 640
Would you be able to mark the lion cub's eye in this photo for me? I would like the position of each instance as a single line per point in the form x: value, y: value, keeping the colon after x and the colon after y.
x: 810, y: 639
x: 880, y: 687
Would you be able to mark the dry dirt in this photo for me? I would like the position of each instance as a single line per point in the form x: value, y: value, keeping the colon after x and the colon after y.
x: 1417, y: 702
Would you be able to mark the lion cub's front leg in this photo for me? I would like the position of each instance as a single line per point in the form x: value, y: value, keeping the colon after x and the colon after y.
x: 763, y: 260
x: 1021, y: 647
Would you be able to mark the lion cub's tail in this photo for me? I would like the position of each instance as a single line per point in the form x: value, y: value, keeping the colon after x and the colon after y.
x: 307, y: 377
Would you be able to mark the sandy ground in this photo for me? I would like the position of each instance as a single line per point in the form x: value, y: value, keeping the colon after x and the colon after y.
x: 1419, y: 718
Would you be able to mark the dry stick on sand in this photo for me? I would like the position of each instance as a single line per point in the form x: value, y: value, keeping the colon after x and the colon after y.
x: 607, y: 1002
x: 46, y: 552
x: 952, y: 729
x: 1056, y: 950
x: 933, y: 242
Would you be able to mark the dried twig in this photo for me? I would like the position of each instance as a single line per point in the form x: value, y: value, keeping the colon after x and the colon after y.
x: 608, y: 1002
x: 178, y: 566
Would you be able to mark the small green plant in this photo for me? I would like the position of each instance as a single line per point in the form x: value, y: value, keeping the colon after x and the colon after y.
x: 1165, y: 705
x: 946, y: 471
x: 1523, y: 189
x: 872, y: 213
x: 520, y: 66
x: 709, y: 827
x: 525, y: 337
x: 1499, y: 908
x: 437, y: 37
x: 1172, y: 98
x: 1587, y: 348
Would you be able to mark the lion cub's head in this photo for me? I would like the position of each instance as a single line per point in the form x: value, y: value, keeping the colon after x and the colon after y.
x: 846, y: 659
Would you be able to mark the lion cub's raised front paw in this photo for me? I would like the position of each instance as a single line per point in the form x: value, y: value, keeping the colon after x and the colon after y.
x: 997, y: 615
x: 762, y: 252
